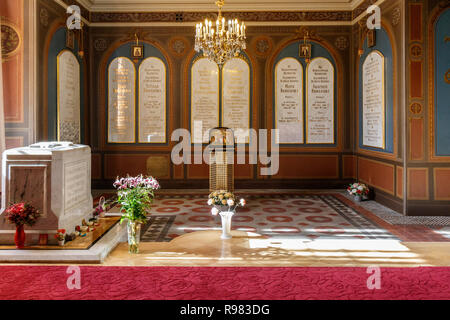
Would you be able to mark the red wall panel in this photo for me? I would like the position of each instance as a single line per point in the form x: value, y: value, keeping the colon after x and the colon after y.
x: 377, y: 174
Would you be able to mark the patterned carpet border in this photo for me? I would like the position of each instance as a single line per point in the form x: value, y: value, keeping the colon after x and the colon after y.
x: 219, y: 283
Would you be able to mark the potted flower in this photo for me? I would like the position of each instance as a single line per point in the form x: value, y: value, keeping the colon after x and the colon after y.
x: 135, y: 196
x: 61, y: 237
x: 21, y: 214
x: 359, y: 190
x: 224, y: 203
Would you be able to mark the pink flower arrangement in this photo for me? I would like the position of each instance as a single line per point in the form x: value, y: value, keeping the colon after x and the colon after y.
x: 135, y: 196
x: 135, y: 182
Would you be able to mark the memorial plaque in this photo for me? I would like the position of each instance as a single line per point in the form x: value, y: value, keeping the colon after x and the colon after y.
x: 373, y: 101
x: 289, y: 101
x: 76, y: 177
x: 121, y: 101
x: 204, y: 99
x: 152, y: 101
x: 320, y: 102
x: 236, y: 98
x: 68, y: 97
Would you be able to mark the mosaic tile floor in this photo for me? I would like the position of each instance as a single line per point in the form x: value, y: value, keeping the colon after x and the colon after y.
x: 299, y: 216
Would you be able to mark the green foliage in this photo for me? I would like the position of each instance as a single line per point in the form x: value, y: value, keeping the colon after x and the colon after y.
x: 135, y: 203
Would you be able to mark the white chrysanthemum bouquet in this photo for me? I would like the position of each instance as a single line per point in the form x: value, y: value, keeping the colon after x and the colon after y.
x: 223, y: 200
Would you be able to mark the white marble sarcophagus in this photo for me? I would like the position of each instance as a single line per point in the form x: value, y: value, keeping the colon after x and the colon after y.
x: 54, y: 177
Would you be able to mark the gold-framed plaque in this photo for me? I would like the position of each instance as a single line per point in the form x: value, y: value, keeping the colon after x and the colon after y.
x: 204, y: 99
x: 320, y: 102
x: 236, y: 98
x: 289, y: 101
x: 121, y: 101
x: 305, y: 50
x: 152, y: 101
x: 374, y: 101
x: 137, y: 52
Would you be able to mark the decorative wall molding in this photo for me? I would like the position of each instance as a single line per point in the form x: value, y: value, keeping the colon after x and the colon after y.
x: 102, y: 15
x: 97, y: 17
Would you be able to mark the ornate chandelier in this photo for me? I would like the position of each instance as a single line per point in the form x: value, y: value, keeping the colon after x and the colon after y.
x: 222, y: 42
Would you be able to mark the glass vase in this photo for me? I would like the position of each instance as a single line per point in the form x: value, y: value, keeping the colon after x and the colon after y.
x: 226, y: 224
x: 134, y: 236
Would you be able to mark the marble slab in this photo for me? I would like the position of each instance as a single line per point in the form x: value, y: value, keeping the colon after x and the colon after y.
x: 55, y: 177
x: 96, y: 254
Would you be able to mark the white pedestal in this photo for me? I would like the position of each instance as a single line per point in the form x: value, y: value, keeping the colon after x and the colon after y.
x: 53, y: 177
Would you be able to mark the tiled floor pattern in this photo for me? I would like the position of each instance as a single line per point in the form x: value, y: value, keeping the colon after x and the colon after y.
x: 292, y: 215
x: 299, y: 216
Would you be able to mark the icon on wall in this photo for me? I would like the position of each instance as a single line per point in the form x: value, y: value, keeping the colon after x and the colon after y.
x: 371, y: 38
x: 305, y: 50
x: 137, y: 52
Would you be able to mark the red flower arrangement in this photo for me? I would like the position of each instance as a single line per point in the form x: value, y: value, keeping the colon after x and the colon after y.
x: 21, y: 214
x: 60, y: 234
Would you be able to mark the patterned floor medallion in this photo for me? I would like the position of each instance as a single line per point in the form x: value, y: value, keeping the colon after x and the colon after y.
x: 293, y: 216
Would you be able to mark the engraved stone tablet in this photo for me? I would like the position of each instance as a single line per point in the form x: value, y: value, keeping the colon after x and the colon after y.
x: 121, y: 101
x: 204, y: 99
x: 152, y: 101
x: 320, y: 102
x: 289, y: 101
x: 373, y: 101
x: 236, y: 98
x: 68, y: 97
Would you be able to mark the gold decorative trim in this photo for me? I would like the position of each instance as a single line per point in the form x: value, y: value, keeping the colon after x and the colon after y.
x: 384, y: 99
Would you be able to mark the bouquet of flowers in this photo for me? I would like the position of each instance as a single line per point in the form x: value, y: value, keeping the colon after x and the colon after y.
x: 21, y: 214
x: 135, y: 195
x: 60, y: 235
x: 358, y: 189
x: 221, y: 199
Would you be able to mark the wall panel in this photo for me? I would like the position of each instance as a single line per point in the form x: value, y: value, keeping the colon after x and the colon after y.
x: 308, y: 167
x: 377, y: 174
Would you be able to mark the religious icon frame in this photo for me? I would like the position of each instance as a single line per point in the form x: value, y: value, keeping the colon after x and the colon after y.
x: 137, y: 52
x: 305, y: 50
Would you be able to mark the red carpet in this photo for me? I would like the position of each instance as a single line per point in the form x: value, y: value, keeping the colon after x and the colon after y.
x: 193, y: 283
